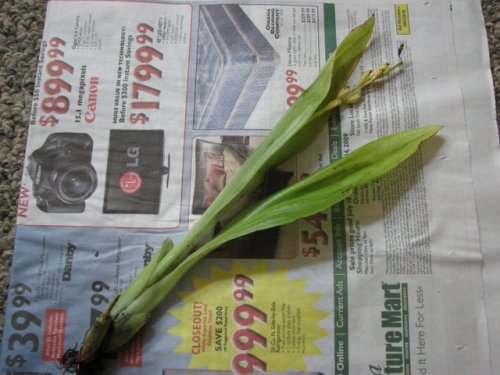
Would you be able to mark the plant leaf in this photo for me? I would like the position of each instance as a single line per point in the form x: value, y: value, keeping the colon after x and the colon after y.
x: 306, y: 197
x: 296, y: 129
x: 348, y: 53
x: 330, y: 184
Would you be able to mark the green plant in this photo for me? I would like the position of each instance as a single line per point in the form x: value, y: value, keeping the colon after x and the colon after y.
x: 297, y: 128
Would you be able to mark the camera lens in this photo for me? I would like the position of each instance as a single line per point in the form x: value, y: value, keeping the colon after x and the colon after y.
x: 77, y: 184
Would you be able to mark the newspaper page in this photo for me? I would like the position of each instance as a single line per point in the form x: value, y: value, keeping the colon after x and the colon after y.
x: 479, y: 107
x: 144, y: 110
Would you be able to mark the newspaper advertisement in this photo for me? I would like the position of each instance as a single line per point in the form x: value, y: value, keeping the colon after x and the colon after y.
x: 144, y: 110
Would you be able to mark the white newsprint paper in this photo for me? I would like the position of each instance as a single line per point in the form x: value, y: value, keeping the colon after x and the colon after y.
x: 144, y: 110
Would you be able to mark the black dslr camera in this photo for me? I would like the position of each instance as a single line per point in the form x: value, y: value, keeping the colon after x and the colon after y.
x: 62, y: 174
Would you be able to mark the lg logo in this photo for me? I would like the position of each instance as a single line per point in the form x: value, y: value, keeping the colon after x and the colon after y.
x: 130, y: 182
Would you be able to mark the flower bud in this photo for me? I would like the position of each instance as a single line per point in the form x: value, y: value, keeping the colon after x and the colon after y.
x: 343, y: 92
x: 353, y: 98
x: 380, y: 71
x: 365, y: 76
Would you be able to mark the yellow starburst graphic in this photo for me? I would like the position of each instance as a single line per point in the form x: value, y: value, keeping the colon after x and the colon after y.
x: 248, y: 319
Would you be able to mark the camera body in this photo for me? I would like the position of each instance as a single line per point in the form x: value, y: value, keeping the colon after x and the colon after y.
x: 62, y: 174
